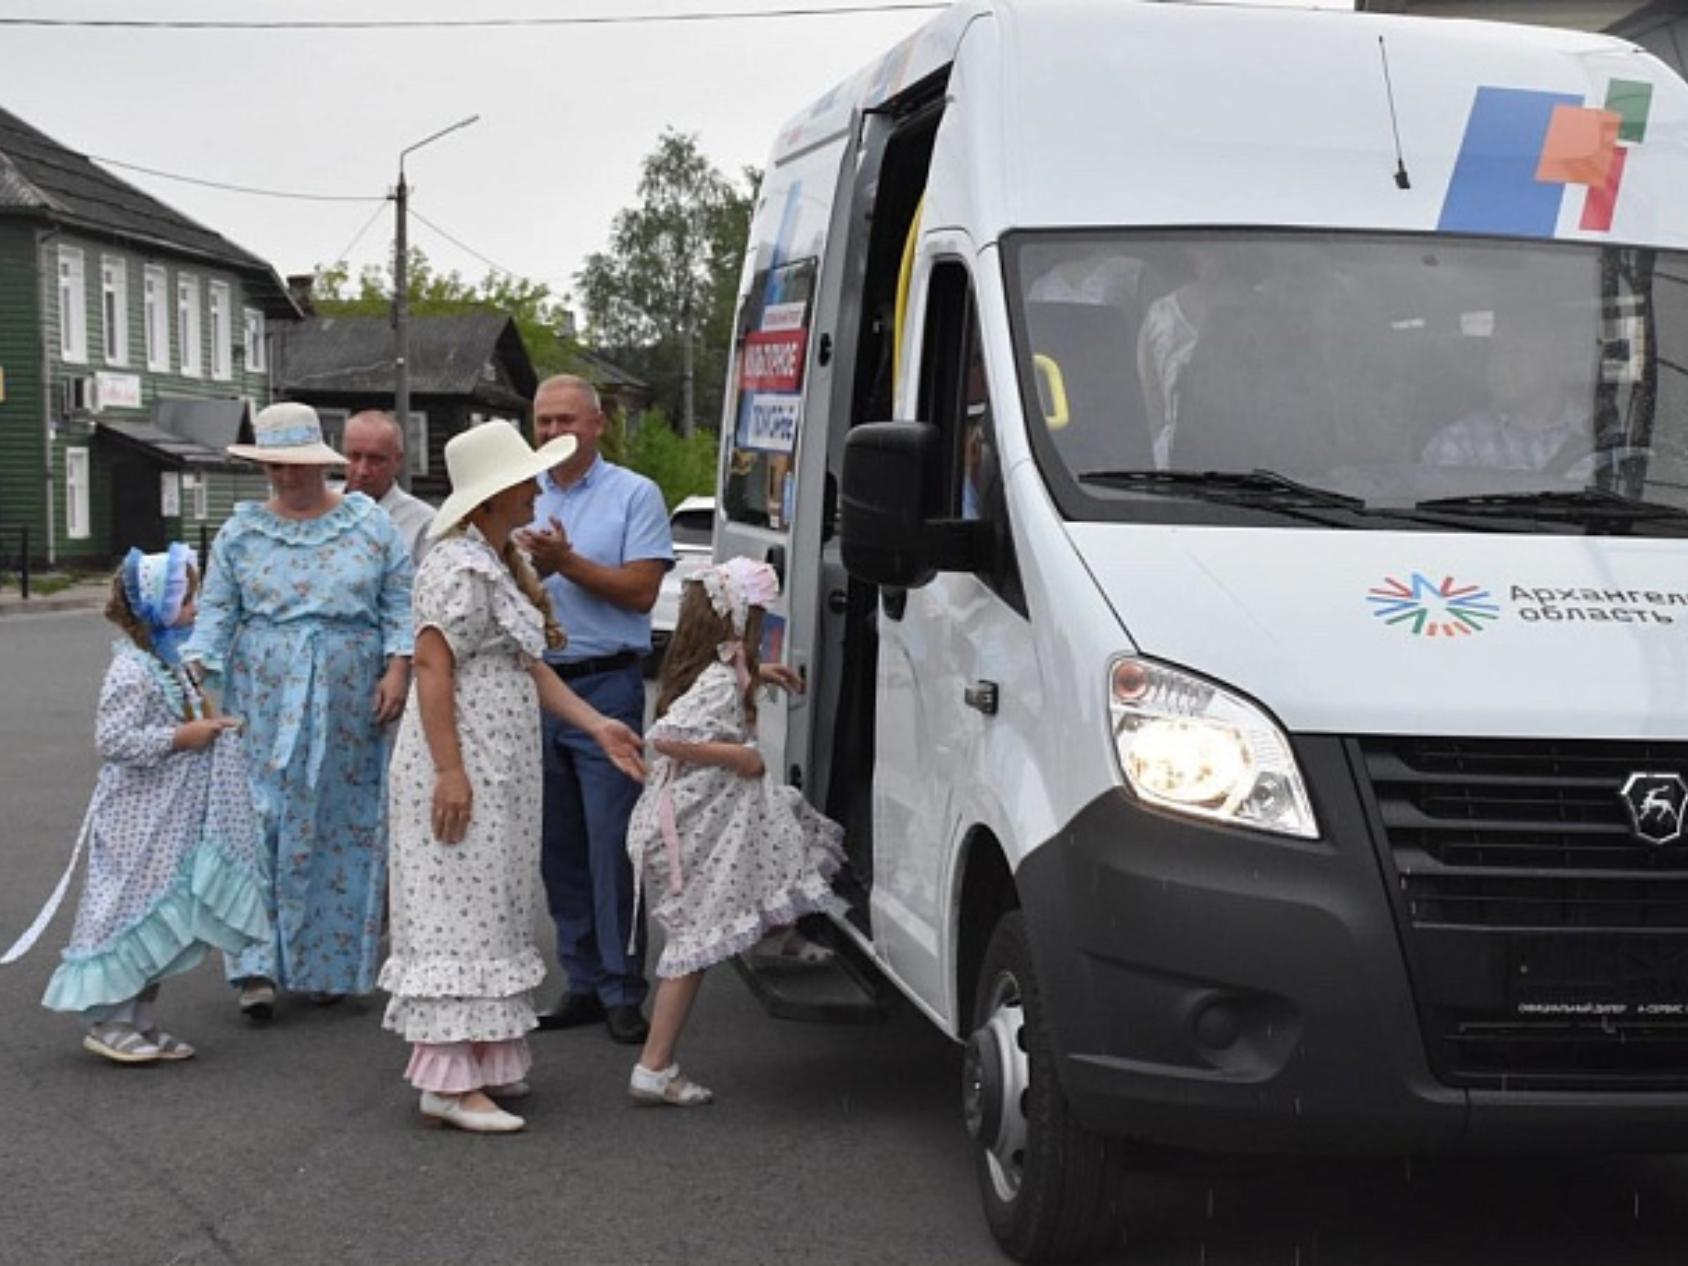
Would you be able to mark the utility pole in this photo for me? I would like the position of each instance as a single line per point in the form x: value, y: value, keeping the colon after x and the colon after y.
x: 401, y: 316
x: 401, y: 290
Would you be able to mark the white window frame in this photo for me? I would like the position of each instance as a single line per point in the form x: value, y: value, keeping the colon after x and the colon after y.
x: 222, y: 332
x: 114, y: 308
x: 73, y: 306
x: 155, y: 316
x: 256, y: 362
x: 78, y: 472
x: 333, y: 423
x: 195, y: 495
x: 416, y: 443
x: 188, y: 327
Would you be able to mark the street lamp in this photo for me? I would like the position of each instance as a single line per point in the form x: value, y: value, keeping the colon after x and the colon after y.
x: 401, y: 288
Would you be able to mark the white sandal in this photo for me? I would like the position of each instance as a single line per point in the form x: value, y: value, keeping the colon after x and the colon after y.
x: 789, y: 949
x: 669, y: 1086
x: 169, y: 1048
x: 120, y: 1041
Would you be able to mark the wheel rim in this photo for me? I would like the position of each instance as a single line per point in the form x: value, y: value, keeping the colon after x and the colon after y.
x: 995, y: 1079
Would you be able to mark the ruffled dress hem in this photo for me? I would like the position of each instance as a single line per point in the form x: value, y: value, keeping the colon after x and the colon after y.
x: 683, y: 955
x: 438, y: 1020
x: 213, y: 903
x: 455, y: 1068
x: 456, y: 978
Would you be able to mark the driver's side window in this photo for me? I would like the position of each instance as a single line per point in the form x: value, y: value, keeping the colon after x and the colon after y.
x: 955, y: 397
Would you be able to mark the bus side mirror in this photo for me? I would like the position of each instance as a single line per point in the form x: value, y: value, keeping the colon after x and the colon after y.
x: 893, y: 488
x: 888, y: 468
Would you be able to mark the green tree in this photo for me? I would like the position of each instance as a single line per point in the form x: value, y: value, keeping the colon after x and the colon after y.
x: 680, y: 465
x: 660, y: 298
x: 538, y: 315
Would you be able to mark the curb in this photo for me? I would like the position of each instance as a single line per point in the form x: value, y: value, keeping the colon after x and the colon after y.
x: 52, y: 603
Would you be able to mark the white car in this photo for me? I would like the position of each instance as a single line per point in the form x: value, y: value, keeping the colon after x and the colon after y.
x: 693, y: 526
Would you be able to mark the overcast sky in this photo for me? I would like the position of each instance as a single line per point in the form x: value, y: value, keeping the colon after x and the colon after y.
x: 566, y: 112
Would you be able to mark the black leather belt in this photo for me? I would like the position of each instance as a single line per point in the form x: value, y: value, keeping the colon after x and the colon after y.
x: 598, y: 664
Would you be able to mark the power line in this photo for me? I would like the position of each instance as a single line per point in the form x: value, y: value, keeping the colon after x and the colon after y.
x: 352, y: 245
x: 462, y: 246
x: 217, y: 184
x: 413, y: 24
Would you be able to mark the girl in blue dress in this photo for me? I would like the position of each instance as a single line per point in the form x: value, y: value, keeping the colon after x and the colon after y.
x: 172, y: 846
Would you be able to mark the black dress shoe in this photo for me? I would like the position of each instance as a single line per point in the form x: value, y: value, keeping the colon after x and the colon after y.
x: 626, y: 1025
x: 572, y: 1011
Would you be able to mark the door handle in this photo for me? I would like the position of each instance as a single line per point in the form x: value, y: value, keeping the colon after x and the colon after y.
x: 981, y: 695
x: 838, y: 602
x: 775, y: 558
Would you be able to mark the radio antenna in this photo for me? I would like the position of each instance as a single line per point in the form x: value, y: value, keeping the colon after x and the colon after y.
x: 1402, y: 180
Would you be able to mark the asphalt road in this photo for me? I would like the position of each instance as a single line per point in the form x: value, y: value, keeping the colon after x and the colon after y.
x: 299, y: 1143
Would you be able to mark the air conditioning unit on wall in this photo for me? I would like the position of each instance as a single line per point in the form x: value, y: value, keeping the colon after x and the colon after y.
x: 77, y: 395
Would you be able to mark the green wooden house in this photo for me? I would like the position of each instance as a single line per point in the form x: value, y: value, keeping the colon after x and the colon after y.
x: 134, y: 345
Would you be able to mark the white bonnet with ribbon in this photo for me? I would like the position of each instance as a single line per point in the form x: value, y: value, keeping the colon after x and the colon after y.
x: 737, y: 585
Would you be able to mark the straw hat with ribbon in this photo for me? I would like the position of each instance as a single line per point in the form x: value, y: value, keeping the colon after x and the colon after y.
x: 485, y: 460
x: 287, y: 435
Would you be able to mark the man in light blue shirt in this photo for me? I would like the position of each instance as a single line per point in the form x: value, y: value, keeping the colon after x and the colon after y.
x: 600, y: 542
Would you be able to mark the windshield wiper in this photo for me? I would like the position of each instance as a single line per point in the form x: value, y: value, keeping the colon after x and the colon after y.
x: 1582, y: 505
x: 1257, y: 487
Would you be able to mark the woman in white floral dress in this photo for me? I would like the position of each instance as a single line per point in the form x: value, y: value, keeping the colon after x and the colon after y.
x: 464, y: 790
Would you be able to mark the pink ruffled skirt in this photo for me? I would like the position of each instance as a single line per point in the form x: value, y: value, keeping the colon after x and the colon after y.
x: 455, y: 1068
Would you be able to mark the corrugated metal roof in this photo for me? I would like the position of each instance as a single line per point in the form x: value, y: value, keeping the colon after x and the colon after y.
x: 607, y: 374
x: 164, y: 443
x: 212, y: 424
x: 40, y: 176
x: 353, y: 355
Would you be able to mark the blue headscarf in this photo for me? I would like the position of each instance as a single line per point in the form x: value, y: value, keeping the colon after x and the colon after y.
x: 156, y: 585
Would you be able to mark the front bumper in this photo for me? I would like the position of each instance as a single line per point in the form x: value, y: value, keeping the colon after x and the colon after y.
x: 1226, y: 990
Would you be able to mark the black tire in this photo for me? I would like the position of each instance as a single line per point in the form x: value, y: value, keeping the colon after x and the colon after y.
x: 1067, y: 1207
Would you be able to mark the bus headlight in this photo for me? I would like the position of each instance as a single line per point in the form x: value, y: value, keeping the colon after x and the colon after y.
x: 1186, y: 745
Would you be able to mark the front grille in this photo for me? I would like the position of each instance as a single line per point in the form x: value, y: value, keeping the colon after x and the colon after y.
x: 1519, y: 804
x: 1572, y: 1055
x: 1548, y: 943
x: 1501, y: 900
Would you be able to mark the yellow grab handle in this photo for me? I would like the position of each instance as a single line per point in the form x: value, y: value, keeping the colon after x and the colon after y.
x: 1052, y: 392
x: 905, y: 280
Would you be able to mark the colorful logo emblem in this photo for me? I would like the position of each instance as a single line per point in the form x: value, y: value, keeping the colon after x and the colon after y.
x: 1522, y: 149
x: 1431, y: 609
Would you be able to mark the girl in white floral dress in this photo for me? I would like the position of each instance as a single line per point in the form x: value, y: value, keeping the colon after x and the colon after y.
x: 173, y: 847
x: 464, y: 790
x: 729, y: 855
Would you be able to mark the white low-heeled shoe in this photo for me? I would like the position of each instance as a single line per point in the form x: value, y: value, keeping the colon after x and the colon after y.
x: 449, y: 1110
x: 509, y: 1090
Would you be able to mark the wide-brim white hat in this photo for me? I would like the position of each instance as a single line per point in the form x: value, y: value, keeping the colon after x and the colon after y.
x: 287, y: 435
x: 485, y: 460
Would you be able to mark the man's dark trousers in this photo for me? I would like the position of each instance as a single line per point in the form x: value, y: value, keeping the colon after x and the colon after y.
x: 588, y: 879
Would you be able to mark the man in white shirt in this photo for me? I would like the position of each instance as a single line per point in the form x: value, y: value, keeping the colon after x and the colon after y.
x: 374, y: 448
x: 1540, y: 379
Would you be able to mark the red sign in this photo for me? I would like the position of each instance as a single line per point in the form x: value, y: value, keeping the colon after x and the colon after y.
x: 773, y: 361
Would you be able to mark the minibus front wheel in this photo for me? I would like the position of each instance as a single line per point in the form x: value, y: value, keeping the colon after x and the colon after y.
x: 1050, y: 1187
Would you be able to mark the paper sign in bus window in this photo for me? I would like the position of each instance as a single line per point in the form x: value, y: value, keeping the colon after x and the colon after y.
x: 773, y: 361
x: 771, y: 423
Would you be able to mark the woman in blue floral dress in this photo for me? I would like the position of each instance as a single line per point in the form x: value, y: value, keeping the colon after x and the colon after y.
x: 305, y: 627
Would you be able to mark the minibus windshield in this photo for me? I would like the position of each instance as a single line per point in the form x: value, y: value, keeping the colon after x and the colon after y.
x: 1388, y: 380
